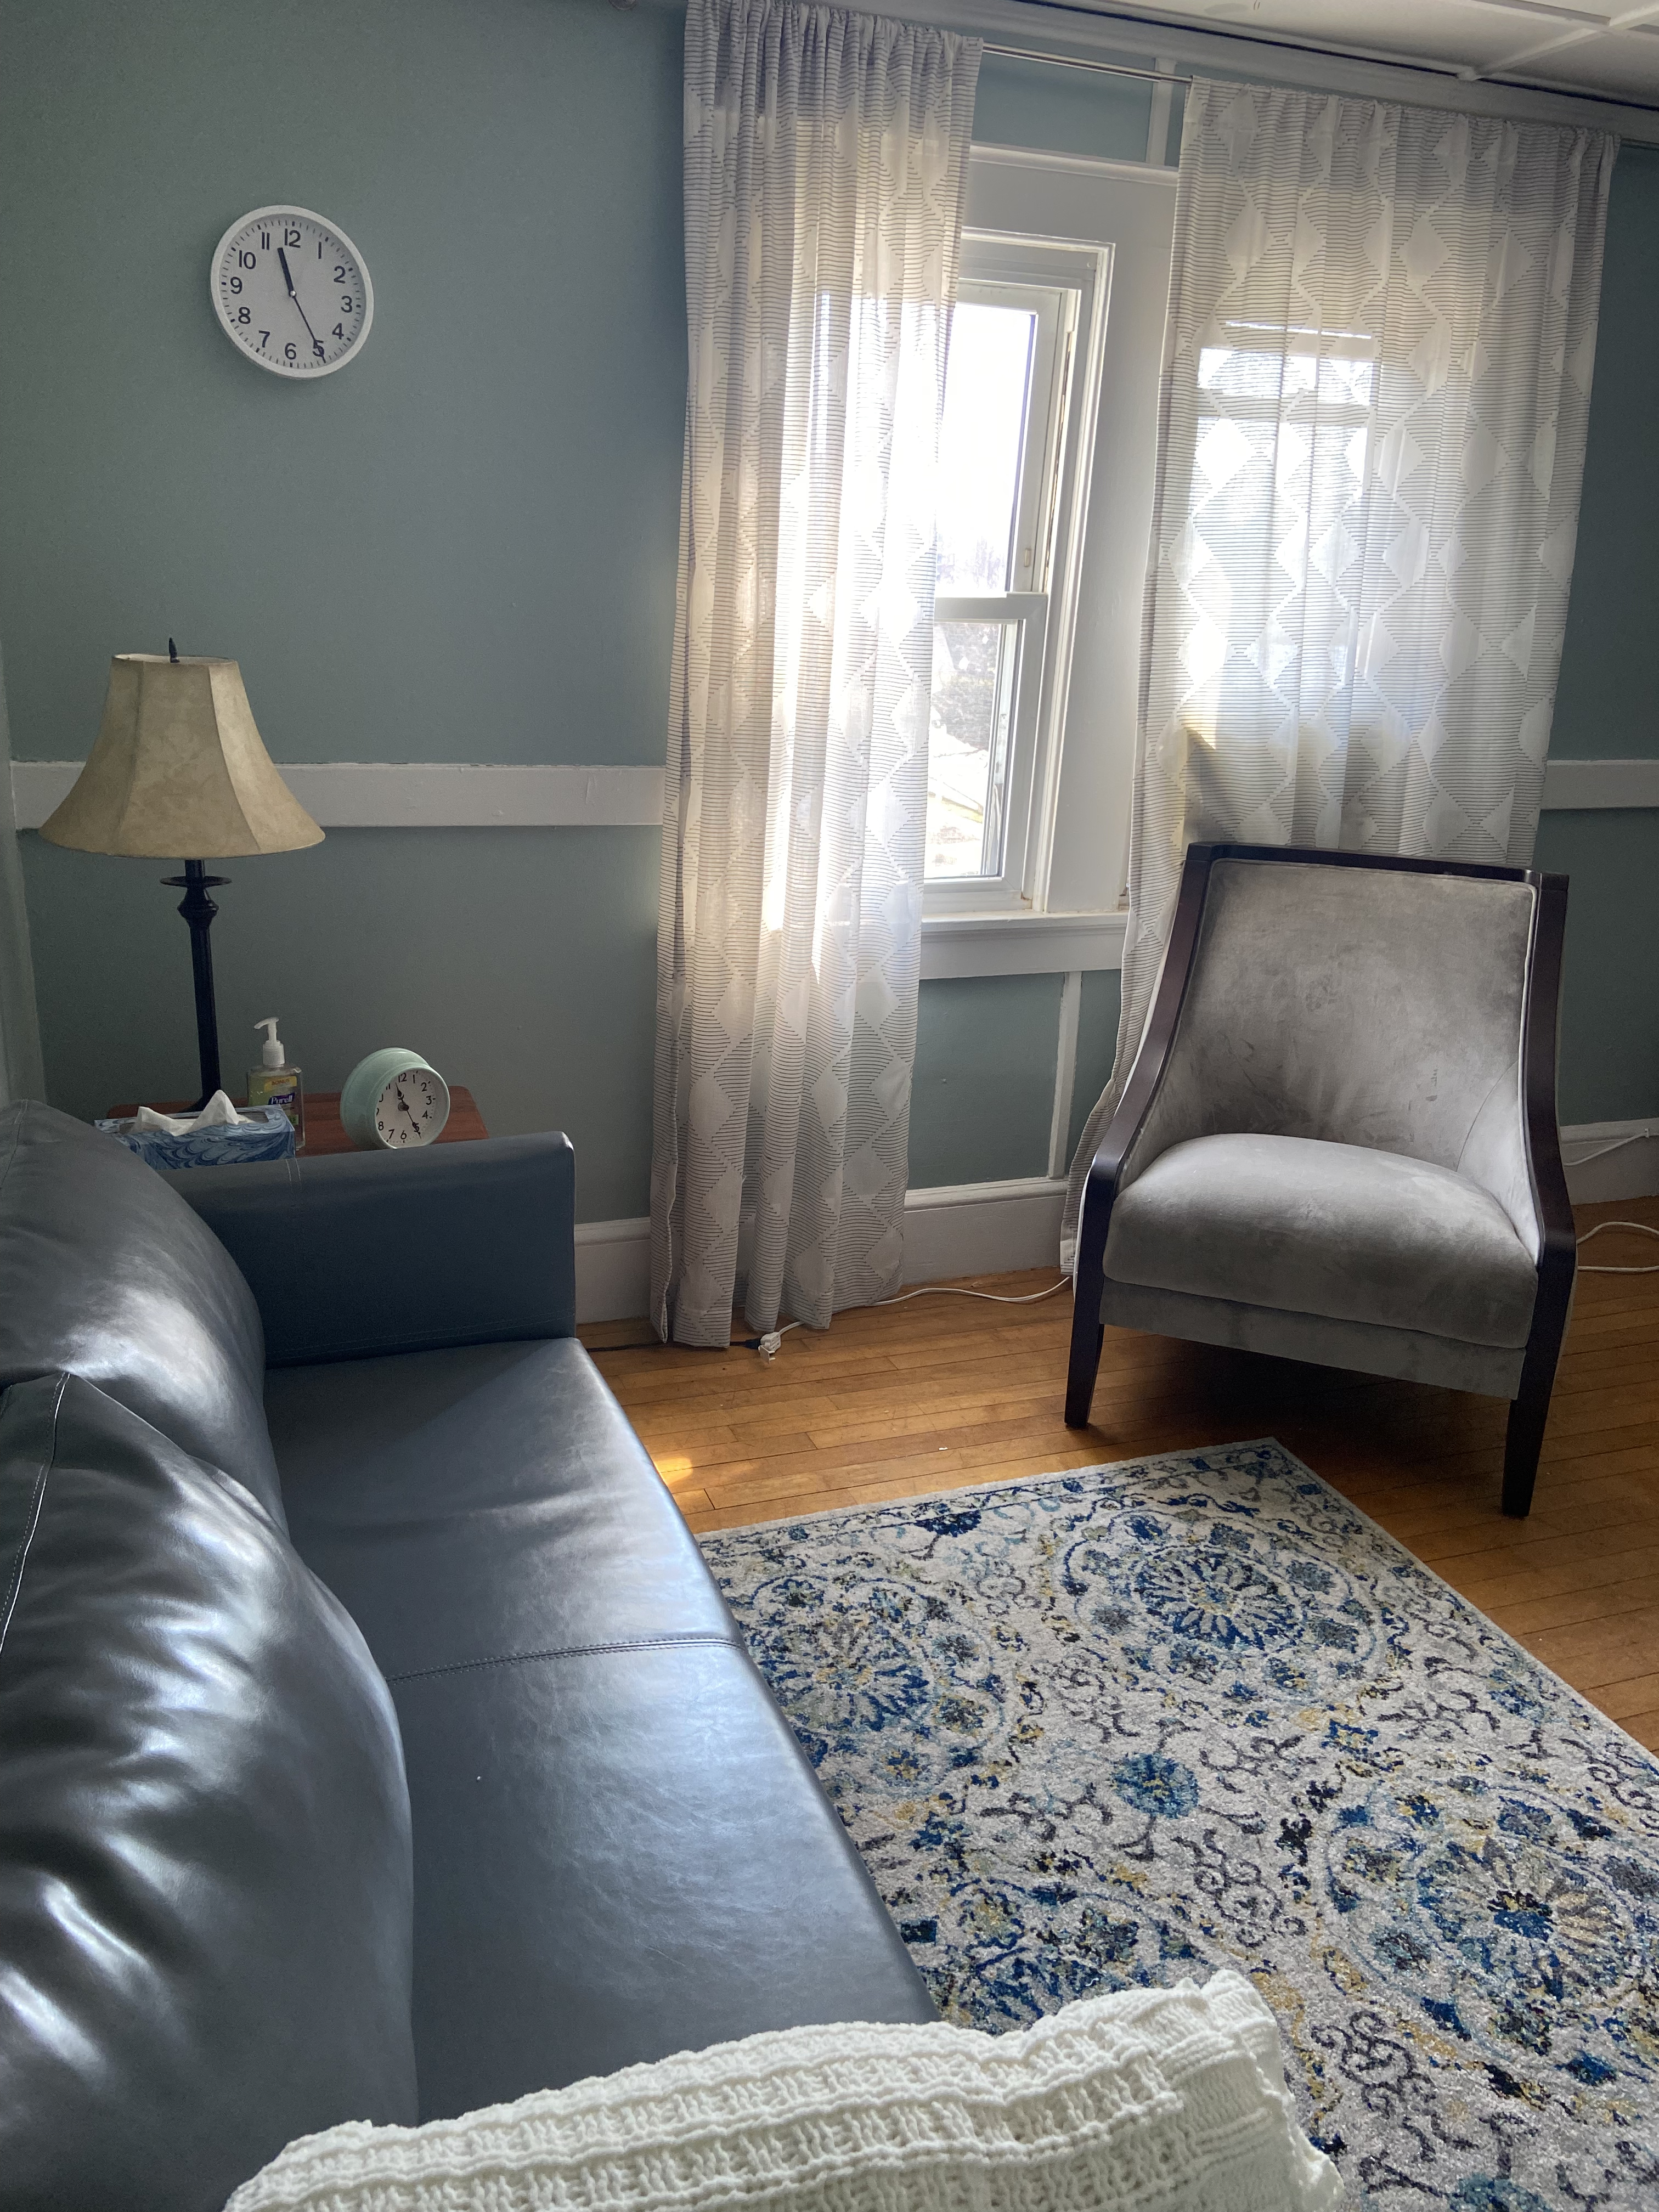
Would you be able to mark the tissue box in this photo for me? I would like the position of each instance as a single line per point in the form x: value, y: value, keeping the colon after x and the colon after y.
x: 233, y: 1144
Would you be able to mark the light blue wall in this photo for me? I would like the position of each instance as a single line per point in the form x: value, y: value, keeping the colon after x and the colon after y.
x: 1096, y: 1046
x: 982, y: 1097
x: 1057, y: 111
x: 520, y: 961
x: 462, y: 547
x: 1607, y: 703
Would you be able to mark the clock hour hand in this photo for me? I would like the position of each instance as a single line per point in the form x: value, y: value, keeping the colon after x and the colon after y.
x: 288, y: 278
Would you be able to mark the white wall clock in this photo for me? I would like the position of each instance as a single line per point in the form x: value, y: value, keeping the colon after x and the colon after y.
x: 292, y: 292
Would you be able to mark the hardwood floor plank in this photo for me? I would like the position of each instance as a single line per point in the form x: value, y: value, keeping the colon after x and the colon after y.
x: 1640, y: 1694
x: 939, y: 1393
x: 1595, y: 1653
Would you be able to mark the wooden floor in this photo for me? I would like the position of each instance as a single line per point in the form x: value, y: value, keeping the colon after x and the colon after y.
x: 947, y: 1391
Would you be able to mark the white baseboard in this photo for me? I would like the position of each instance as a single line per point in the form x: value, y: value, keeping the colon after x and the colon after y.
x: 953, y: 1229
x: 1611, y: 1159
x: 613, y: 1269
x: 982, y: 1227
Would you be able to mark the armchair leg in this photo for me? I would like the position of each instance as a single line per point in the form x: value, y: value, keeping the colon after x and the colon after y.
x: 1088, y: 1331
x: 1085, y: 1367
x: 1524, y: 1439
x: 1522, y: 1442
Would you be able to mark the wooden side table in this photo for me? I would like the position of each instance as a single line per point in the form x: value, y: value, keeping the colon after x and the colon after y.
x: 323, y: 1130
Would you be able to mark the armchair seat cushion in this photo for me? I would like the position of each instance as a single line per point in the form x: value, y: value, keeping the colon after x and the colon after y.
x: 1299, y: 1225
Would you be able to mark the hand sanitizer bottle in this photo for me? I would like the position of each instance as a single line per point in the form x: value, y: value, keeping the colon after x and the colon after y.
x: 277, y: 1084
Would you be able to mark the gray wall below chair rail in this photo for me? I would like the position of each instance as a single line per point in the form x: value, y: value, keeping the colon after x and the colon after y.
x: 462, y: 548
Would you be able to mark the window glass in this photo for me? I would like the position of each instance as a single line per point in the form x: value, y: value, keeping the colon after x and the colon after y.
x: 967, y: 745
x: 981, y: 442
x: 1002, y: 436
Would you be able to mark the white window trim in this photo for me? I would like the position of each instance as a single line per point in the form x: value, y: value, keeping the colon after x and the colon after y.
x: 1040, y: 260
x: 996, y: 260
x: 1076, y: 847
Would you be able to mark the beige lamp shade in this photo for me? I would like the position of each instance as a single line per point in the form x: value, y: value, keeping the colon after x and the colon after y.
x: 178, y: 770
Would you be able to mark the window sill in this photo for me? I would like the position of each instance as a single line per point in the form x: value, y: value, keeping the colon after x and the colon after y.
x: 954, y: 944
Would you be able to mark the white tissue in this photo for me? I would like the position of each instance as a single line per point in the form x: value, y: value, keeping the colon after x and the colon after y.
x: 214, y: 1114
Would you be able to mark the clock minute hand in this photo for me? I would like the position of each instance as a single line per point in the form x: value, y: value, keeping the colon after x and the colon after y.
x: 288, y: 278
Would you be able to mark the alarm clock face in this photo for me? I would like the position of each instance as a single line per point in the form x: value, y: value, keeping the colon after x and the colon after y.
x: 412, y: 1108
x: 291, y: 291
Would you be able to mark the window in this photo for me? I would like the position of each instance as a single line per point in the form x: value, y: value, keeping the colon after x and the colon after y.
x: 1284, y: 434
x: 1007, y: 434
x: 1049, y: 442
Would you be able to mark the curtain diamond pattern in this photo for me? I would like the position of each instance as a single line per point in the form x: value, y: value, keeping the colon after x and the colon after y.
x: 1375, y: 389
x: 825, y: 172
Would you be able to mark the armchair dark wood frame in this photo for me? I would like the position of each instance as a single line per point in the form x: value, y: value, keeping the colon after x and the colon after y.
x: 1559, y: 1258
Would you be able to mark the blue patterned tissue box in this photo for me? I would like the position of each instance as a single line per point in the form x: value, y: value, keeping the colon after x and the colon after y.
x: 233, y: 1144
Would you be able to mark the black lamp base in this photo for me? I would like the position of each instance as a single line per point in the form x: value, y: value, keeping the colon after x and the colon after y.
x: 198, y: 910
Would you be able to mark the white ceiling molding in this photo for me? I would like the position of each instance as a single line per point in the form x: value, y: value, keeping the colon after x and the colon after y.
x: 1600, y: 68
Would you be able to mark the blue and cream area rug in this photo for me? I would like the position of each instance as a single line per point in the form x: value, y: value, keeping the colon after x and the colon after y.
x: 1135, y: 1722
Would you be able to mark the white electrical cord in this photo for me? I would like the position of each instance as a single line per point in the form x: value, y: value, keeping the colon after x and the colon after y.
x: 1640, y: 1228
x: 1617, y: 1144
x: 767, y: 1346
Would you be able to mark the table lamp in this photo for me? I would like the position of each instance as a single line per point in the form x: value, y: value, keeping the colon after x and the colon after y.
x: 179, y: 768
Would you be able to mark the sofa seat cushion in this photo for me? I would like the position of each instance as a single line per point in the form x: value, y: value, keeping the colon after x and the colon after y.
x: 620, y: 1850
x: 205, y: 1866
x: 106, y: 1273
x: 1298, y: 1225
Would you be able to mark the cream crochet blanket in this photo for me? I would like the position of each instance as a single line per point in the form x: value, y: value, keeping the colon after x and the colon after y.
x: 1151, y: 2101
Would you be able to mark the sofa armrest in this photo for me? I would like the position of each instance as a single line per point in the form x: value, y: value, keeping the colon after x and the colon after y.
x: 358, y: 1254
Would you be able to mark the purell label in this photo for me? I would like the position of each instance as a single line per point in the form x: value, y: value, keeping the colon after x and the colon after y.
x: 286, y: 1096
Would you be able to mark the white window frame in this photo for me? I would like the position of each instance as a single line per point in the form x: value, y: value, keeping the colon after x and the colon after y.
x: 1069, y: 915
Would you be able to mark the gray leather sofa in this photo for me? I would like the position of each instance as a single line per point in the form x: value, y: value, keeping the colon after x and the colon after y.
x: 373, y: 1743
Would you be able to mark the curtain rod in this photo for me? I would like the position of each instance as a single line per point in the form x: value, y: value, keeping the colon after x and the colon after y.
x: 1102, y: 68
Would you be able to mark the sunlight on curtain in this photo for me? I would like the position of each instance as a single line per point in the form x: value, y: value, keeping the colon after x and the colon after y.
x: 825, y: 174
x: 1375, y: 390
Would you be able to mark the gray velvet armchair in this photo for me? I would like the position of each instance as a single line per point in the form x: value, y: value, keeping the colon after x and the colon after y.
x: 1338, y: 1141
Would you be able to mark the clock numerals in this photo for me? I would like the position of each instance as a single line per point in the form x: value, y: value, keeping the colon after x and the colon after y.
x: 277, y: 277
x: 407, y: 1113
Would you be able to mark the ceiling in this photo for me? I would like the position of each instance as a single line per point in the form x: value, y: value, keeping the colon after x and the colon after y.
x: 1593, y: 46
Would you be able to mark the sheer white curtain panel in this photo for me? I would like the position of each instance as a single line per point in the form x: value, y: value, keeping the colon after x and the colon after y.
x: 1375, y: 390
x: 825, y: 174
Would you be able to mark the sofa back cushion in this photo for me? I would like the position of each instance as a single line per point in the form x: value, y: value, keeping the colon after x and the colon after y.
x: 205, y: 1863
x: 106, y: 1273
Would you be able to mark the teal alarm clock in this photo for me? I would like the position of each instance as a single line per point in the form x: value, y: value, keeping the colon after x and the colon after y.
x: 393, y: 1099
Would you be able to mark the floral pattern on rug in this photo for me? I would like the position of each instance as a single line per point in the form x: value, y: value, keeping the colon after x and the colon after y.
x: 1133, y: 1723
